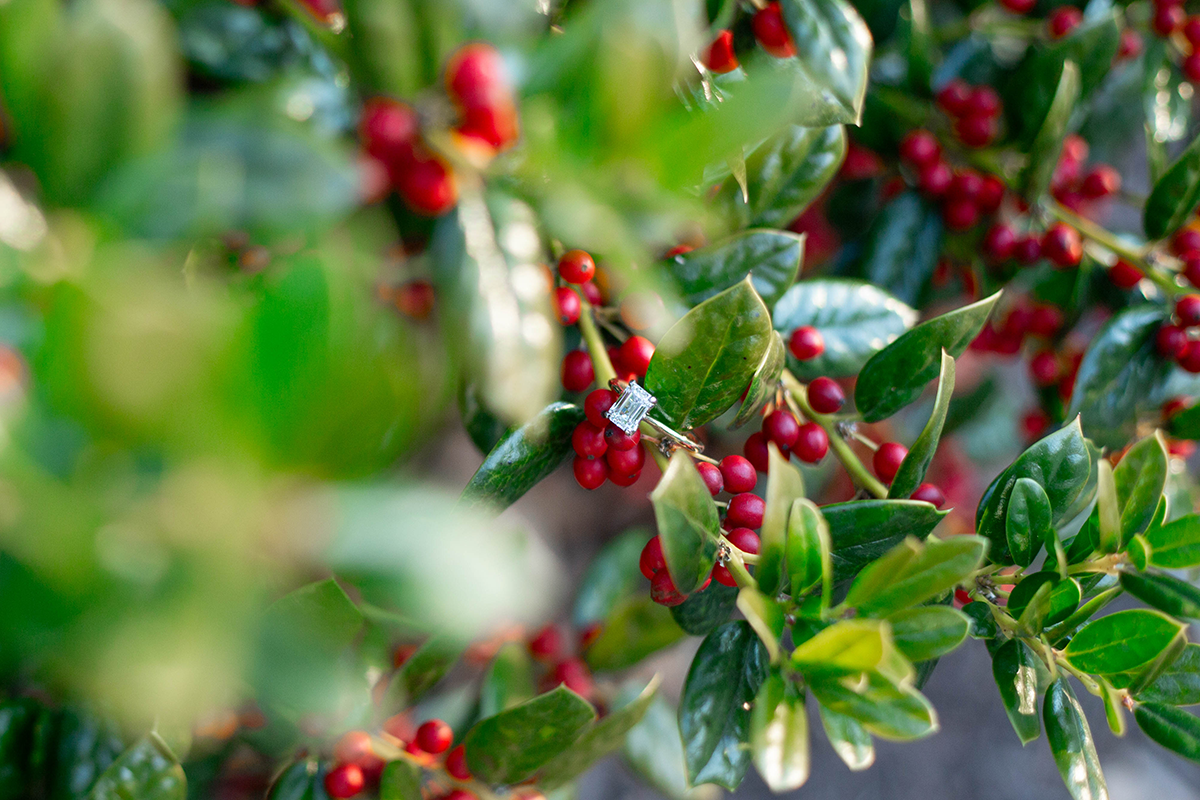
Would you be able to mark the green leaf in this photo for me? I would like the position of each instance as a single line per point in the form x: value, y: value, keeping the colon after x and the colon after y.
x: 636, y: 628
x: 18, y: 719
x: 784, y: 175
x: 896, y: 375
x: 147, y: 770
x: 770, y: 258
x: 514, y: 744
x: 423, y: 669
x: 654, y: 749
x: 1123, y: 642
x: 785, y: 486
x: 920, y: 455
x: 525, y: 456
x: 1017, y: 669
x: 901, y: 248
x: 704, y: 611
x: 400, y: 781
x: 764, y: 382
x: 1176, y: 730
x: 809, y: 560
x: 1071, y: 743
x: 1027, y: 521
x: 1176, y: 545
x: 766, y: 616
x: 1178, y: 684
x: 1048, y: 143
x: 1185, y: 424
x: 304, y: 780
x: 1114, y: 710
x: 1141, y: 477
x: 779, y: 734
x: 687, y: 523
x: 1164, y: 592
x: 852, y: 646
x: 1175, y: 195
x: 888, y: 711
x: 1108, y: 511
x: 1059, y: 463
x: 834, y: 51
x: 849, y: 738
x: 507, y: 682
x: 714, y: 711
x: 612, y: 577
x: 983, y: 621
x: 928, y: 632
x: 707, y: 359
x: 914, y: 572
x: 1058, y: 602
x: 1081, y: 615
x: 605, y: 736
x: 863, y: 530
x: 856, y: 320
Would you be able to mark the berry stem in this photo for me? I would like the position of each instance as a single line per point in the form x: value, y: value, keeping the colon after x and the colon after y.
x: 738, y: 569
x: 797, y: 394
x: 1134, y: 255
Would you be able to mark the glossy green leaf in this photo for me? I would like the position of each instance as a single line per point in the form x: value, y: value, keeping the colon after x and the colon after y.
x: 1174, y: 196
x: 304, y: 780
x: 525, y: 456
x: 1057, y: 603
x: 400, y: 781
x: 1164, y: 592
x: 764, y: 382
x: 983, y: 621
x: 1027, y: 521
x: 604, y: 736
x: 1114, y: 710
x: 714, y: 711
x: 704, y: 611
x: 766, y: 616
x: 784, y: 175
x: 707, y: 359
x: 779, y: 734
x: 1140, y: 479
x: 914, y: 572
x: 888, y: 711
x: 147, y: 770
x: 1082, y: 614
x: 1123, y: 642
x: 928, y: 632
x: 687, y: 522
x: 514, y: 744
x: 636, y: 628
x: 423, y: 669
x: 809, y: 558
x: 1060, y: 463
x: 1017, y: 669
x: 1178, y: 684
x: 863, y: 530
x: 770, y: 258
x: 901, y: 248
x: 1048, y: 143
x: 852, y: 646
x: 849, y: 739
x: 1176, y: 545
x: 836, y: 53
x: 1108, y: 511
x: 1071, y: 743
x: 896, y: 375
x: 1176, y: 730
x: 785, y: 486
x: 1139, y: 552
x: 611, y: 577
x: 856, y: 320
x: 920, y: 455
x: 507, y: 682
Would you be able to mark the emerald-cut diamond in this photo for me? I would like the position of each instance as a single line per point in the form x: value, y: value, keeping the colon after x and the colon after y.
x: 631, y: 408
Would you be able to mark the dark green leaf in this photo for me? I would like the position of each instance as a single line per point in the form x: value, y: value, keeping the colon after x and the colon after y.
x: 983, y: 622
x: 147, y: 771
x: 1179, y: 684
x: 912, y: 573
x: 422, y: 670
x: 1123, y: 642
x: 304, y: 780
x: 525, y: 456
x: 1028, y: 520
x: 485, y: 428
x: 920, y: 455
x: 1071, y: 743
x: 1164, y: 592
x: 779, y: 734
x: 707, y: 359
x: 835, y: 51
x: 714, y: 712
x: 1059, y: 601
x: 1174, y: 196
x: 1016, y: 669
x: 809, y: 560
x: 687, y: 522
x: 17, y: 721
x: 1185, y: 424
x: 764, y: 382
x: 512, y: 745
x: 886, y: 710
x: 928, y: 632
x: 855, y: 319
x: 1140, y: 477
x: 400, y: 781
x: 1048, y: 143
x: 1176, y: 730
x: 849, y: 738
x: 770, y: 258
x: 863, y: 530
x: 1176, y: 545
x: 702, y: 612
x: 610, y: 578
x: 638, y: 627
x: 784, y: 175
x: 765, y: 615
x: 507, y: 682
x: 896, y: 375
x: 784, y: 487
x: 902, y: 246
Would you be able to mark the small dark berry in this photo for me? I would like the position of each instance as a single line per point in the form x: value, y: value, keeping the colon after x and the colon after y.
x: 577, y: 373
x: 806, y: 343
x: 739, y: 474
x: 755, y: 450
x: 999, y: 243
x: 953, y: 97
x: 976, y: 130
x: 1125, y: 275
x: 984, y: 102
x: 1045, y: 321
x: 745, y: 511
x: 1062, y: 245
x: 991, y: 195
x: 1101, y: 181
x: 1185, y: 241
x: 1131, y: 44
x: 966, y: 185
x: 1019, y: 6
x: 1171, y: 341
x: 1191, y: 67
x: 576, y: 266
x: 456, y: 764
x: 1034, y: 424
x: 771, y: 31
x: 812, y: 444
x: 344, y: 780
x: 1168, y: 18
x: 591, y: 293
x: 887, y: 460
x: 929, y: 493
x: 663, y: 591
x: 1191, y: 267
x: 825, y: 396
x: 1187, y: 310
x: 588, y: 440
x: 781, y: 427
x: 597, y: 404
x: 960, y: 215
x: 620, y: 440
x: 934, y: 179
x: 721, y: 58
x: 1028, y: 250
x: 567, y: 305
x: 1063, y: 20
x: 635, y: 354
x: 548, y: 644
x: 1189, y: 359
x: 919, y: 148
x: 590, y: 473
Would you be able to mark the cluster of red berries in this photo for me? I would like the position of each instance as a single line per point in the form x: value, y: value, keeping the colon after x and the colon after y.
x: 654, y: 565
x: 1186, y: 245
x: 553, y: 647
x: 602, y: 450
x: 770, y: 31
x: 975, y: 110
x: 1174, y: 339
x: 1074, y: 187
x: 1060, y: 244
x: 966, y: 196
x: 356, y: 766
x: 1169, y: 19
x: 402, y: 160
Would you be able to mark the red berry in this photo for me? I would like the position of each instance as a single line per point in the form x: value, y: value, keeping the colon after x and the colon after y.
x: 953, y: 97
x: 825, y: 396
x: 1028, y: 250
x: 721, y: 58
x: 456, y: 764
x: 983, y: 102
x: 976, y: 130
x: 635, y: 354
x: 415, y: 299
x: 475, y: 75
x: 755, y: 450
x: 860, y: 163
x: 1174, y: 406
x: 712, y: 476
x: 960, y: 215
x: 743, y: 539
x: 426, y: 184
x: 1191, y: 67
x: 577, y: 373
x: 738, y: 473
x: 567, y: 305
x: 1019, y: 6
x: 663, y: 591
x: 1185, y: 241
x: 1171, y: 341
x: 353, y: 748
x: 1034, y: 423
x: 1187, y: 310
x: 548, y: 644
x: 966, y: 185
x: 920, y: 148
x: 1045, y: 321
x: 812, y: 444
x: 459, y: 794
x: 591, y: 293
x: 495, y: 125
x: 781, y: 427
x: 652, y: 561
x: 1131, y: 44
x: 388, y: 129
x: 626, y: 462
x: 771, y: 31
x: 745, y: 511
x: 962, y: 596
x: 575, y: 675
x: 934, y: 179
x: 1062, y: 245
x: 622, y: 480
x: 1167, y: 19
x: 887, y: 460
x: 1125, y: 275
x: 806, y: 343
x: 1044, y: 368
x: 991, y: 195
x: 1189, y: 359
x: 591, y: 473
x: 345, y: 780
x: 1191, y: 267
x: 597, y: 404
x: 1191, y: 30
x: 620, y: 440
x: 435, y: 737
x: 1101, y: 181
x: 999, y: 242
x: 929, y: 493
x: 1063, y: 20
x: 576, y: 266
